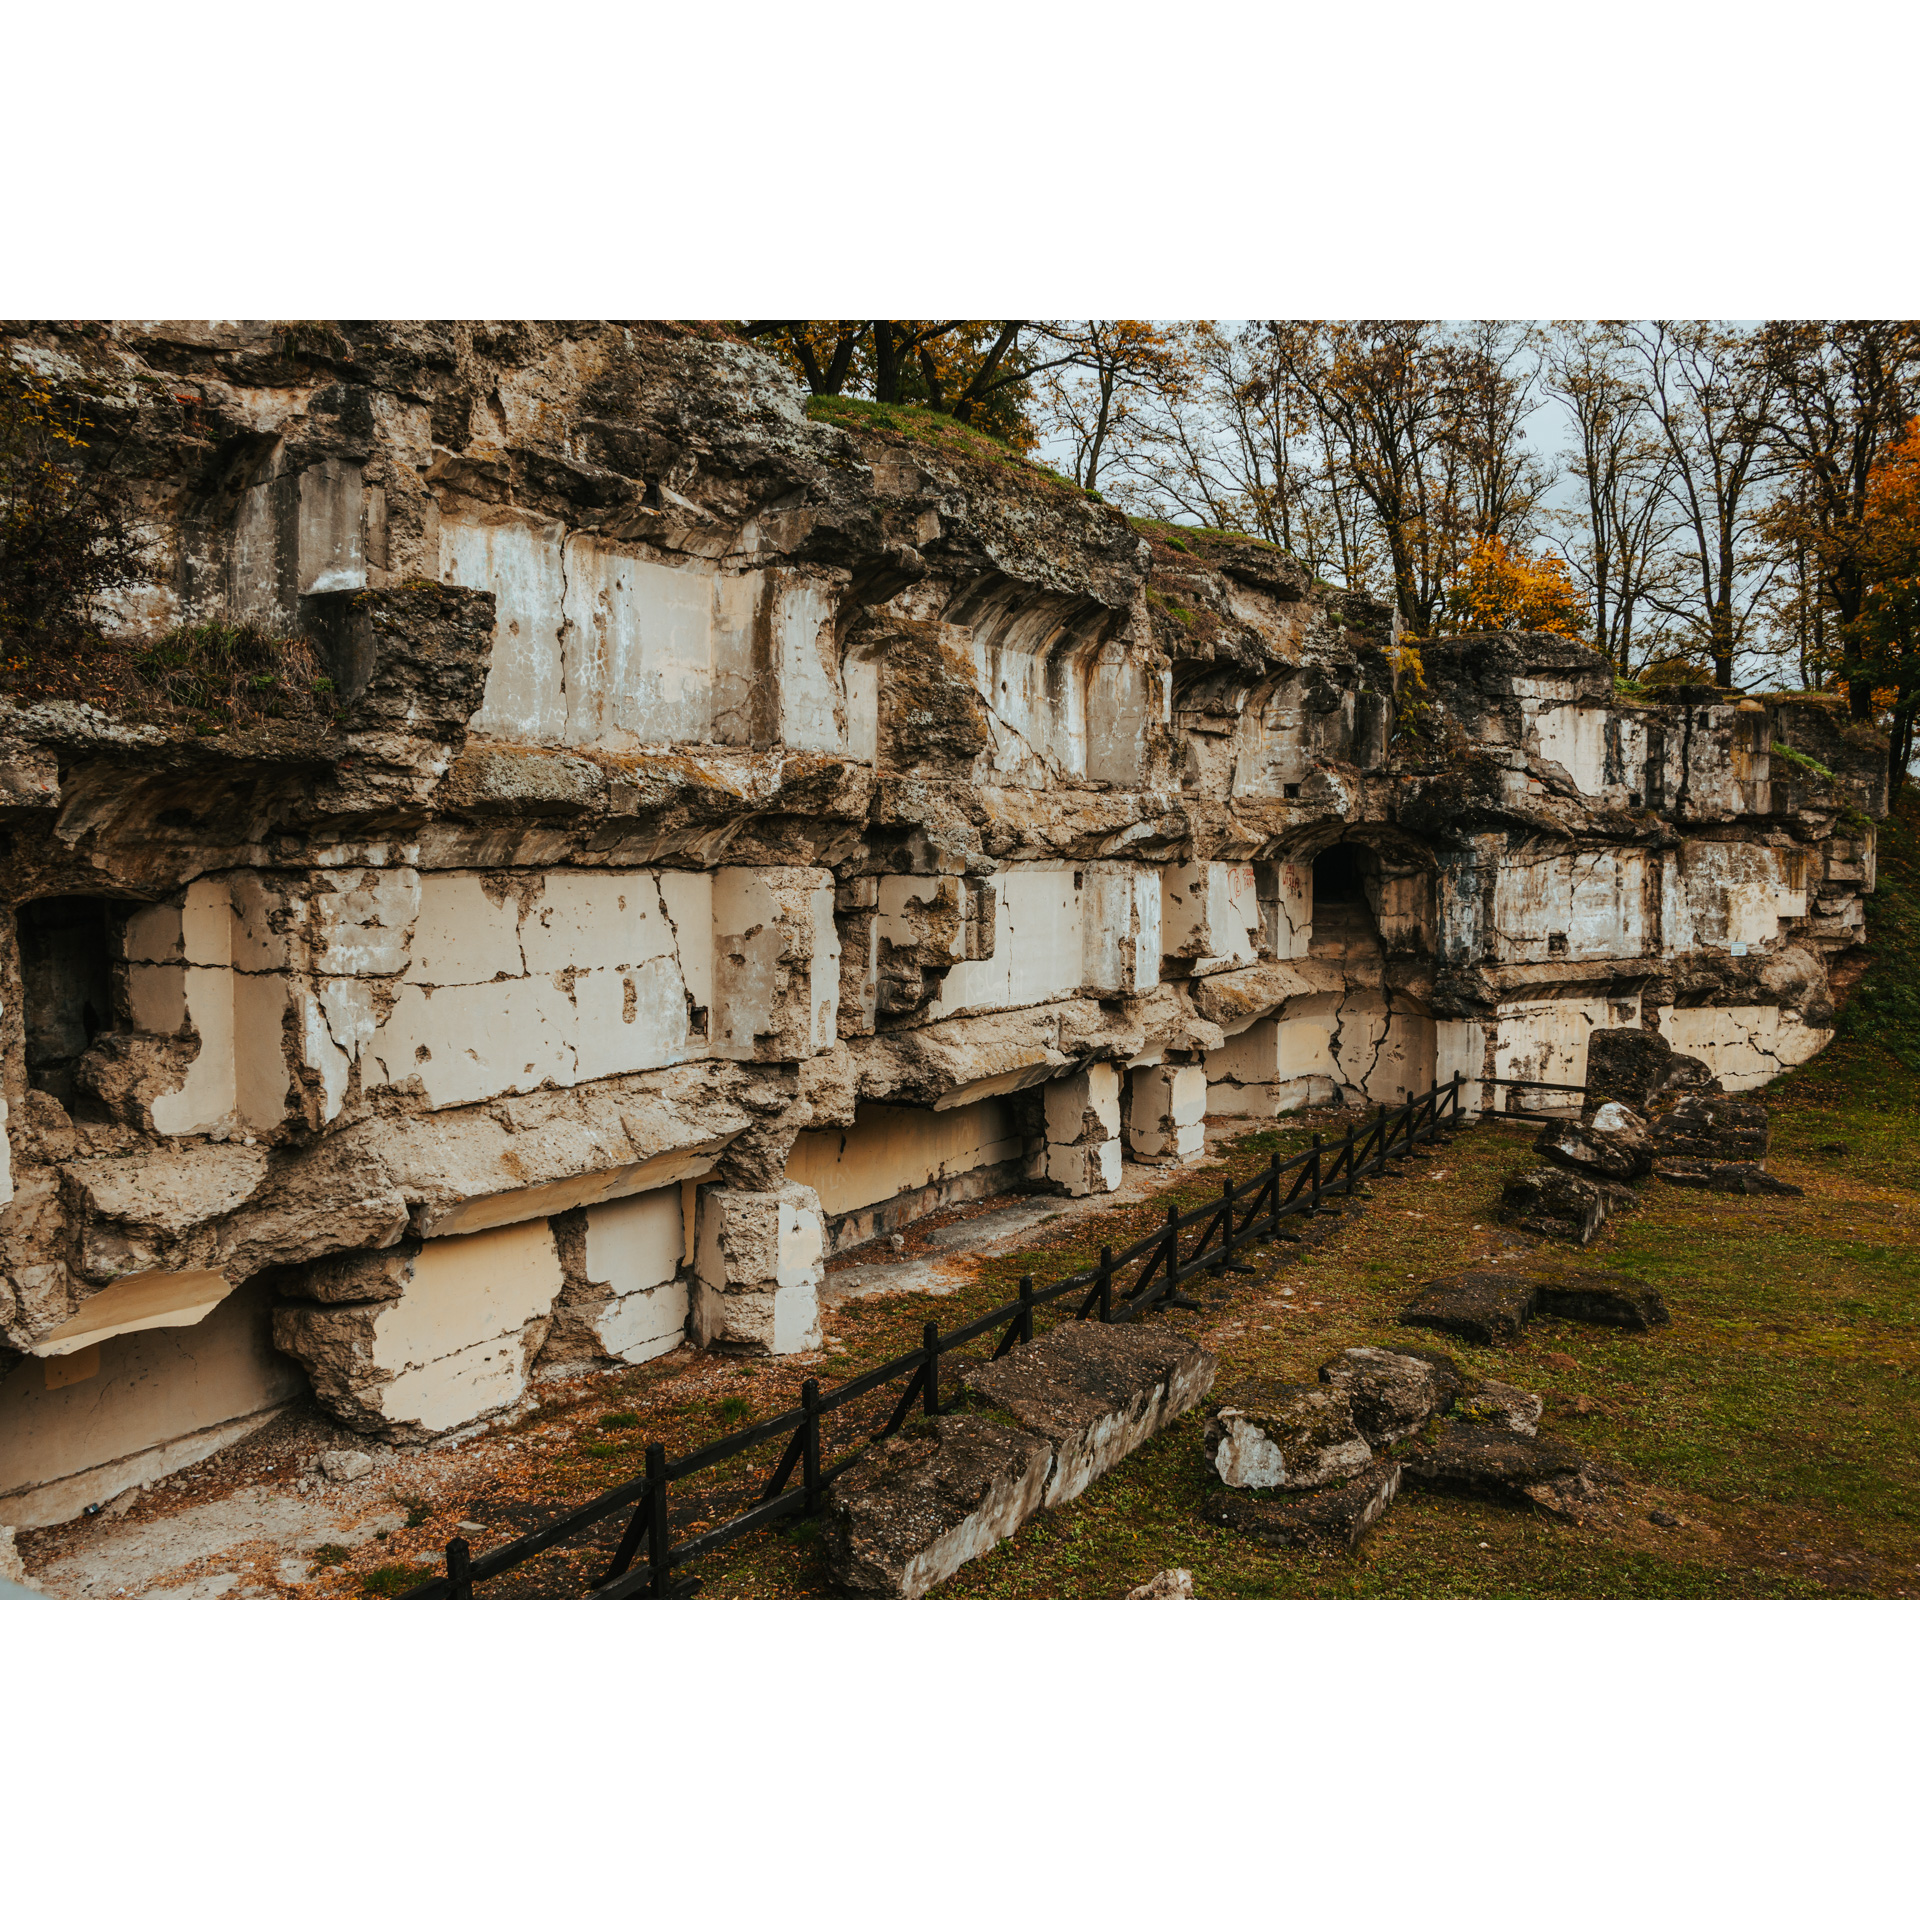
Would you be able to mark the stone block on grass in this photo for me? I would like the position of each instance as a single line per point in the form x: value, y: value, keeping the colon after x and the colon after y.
x: 1562, y: 1205
x: 1094, y: 1392
x: 1340, y: 1516
x: 1484, y: 1309
x: 921, y: 1504
x: 1279, y: 1436
x: 1492, y: 1463
x: 1393, y: 1392
x: 1603, y: 1300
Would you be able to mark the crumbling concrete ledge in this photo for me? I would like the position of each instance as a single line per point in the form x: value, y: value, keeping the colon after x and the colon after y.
x: 1053, y: 1416
x: 927, y: 1500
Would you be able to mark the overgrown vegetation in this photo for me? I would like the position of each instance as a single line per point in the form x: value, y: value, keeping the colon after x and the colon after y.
x: 67, y: 536
x: 226, y: 676
x: 924, y: 425
x: 1884, y: 1009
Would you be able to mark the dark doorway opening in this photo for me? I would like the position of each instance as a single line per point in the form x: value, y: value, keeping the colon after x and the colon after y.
x: 1343, y: 916
x: 67, y: 950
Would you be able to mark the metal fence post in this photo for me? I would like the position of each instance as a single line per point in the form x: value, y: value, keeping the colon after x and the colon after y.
x: 1106, y: 1285
x: 1455, y: 1115
x: 1026, y: 1308
x: 659, y: 1550
x: 1273, y: 1174
x: 930, y: 1369
x: 459, y: 1569
x: 1406, y: 1141
x: 1226, y: 1213
x: 1314, y: 1206
x: 810, y: 1455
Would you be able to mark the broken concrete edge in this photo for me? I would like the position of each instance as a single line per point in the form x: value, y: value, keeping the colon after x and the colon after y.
x: 1032, y: 1430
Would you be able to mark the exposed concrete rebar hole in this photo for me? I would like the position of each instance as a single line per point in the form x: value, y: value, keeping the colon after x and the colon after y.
x: 67, y: 947
x: 1344, y: 924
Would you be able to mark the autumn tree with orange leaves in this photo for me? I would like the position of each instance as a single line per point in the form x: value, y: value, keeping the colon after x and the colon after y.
x: 1508, y: 590
x: 1887, y: 637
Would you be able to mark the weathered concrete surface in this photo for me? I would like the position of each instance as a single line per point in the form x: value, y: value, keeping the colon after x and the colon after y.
x: 1488, y: 1309
x: 1492, y: 1463
x: 1095, y: 1392
x: 1393, y: 1392
x: 1284, y: 1436
x: 1340, y: 1516
x: 706, y: 797
x: 1603, y: 1300
x: 1720, y: 1176
x: 922, y: 1504
x: 1492, y: 1403
x: 1562, y: 1205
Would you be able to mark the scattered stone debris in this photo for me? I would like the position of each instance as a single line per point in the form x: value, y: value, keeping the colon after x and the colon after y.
x: 1393, y: 1391
x: 1493, y: 1463
x: 1613, y: 1145
x: 1341, y: 1516
x: 1484, y: 1309
x: 1494, y: 1404
x: 1723, y: 1176
x: 1285, y: 1436
x: 1697, y: 1126
x: 1174, y: 1583
x: 1603, y: 1300
x: 1095, y: 1392
x: 346, y: 1465
x: 1631, y: 1065
x: 1562, y: 1205
x: 924, y: 1502
x: 1490, y: 1309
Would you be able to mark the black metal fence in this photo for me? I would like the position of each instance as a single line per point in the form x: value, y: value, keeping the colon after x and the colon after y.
x: 1532, y: 1115
x: 1148, y: 1276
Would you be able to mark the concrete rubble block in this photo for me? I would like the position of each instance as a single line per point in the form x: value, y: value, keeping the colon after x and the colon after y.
x: 455, y: 1346
x: 1562, y: 1205
x: 1393, y: 1392
x: 1340, y: 1516
x: 1492, y: 1403
x: 1603, y: 1300
x: 1631, y: 1065
x: 1485, y: 1309
x: 1696, y: 1126
x: 1613, y: 1145
x: 1168, y: 1120
x: 1493, y: 1463
x: 1721, y: 1176
x: 1172, y: 1583
x: 1083, y: 1129
x: 922, y: 1503
x: 1285, y: 1436
x: 776, y: 963
x: 758, y: 1262
x: 345, y: 1464
x: 1095, y: 1392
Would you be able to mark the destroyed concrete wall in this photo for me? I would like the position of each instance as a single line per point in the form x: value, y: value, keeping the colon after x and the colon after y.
x: 736, y: 834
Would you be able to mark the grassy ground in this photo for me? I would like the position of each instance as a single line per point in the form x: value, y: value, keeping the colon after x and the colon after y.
x: 1772, y: 1424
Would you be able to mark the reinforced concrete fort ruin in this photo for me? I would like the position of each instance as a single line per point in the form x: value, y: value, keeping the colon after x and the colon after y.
x: 732, y: 833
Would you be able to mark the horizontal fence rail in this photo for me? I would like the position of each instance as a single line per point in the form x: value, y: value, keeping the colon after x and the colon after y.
x: 657, y: 1543
x: 1532, y: 1117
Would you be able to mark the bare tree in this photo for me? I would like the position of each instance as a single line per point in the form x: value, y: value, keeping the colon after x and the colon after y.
x: 1621, y: 551
x: 1709, y: 390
